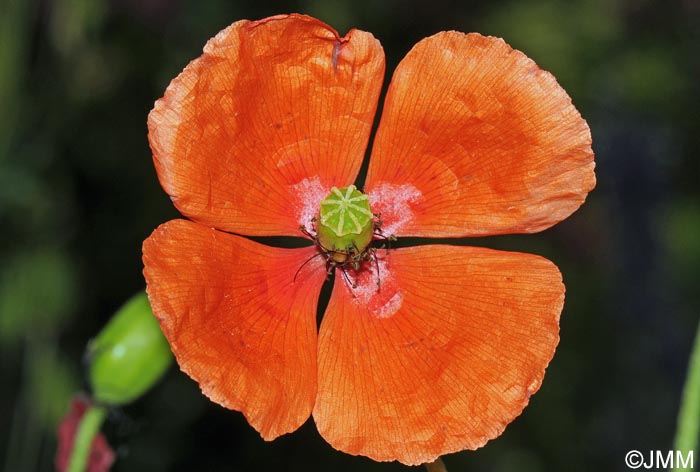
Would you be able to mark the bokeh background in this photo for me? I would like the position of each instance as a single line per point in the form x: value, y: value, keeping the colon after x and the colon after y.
x: 78, y: 194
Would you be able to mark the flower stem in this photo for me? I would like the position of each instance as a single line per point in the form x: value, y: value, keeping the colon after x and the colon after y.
x: 89, y: 426
x: 688, y: 430
x: 437, y: 466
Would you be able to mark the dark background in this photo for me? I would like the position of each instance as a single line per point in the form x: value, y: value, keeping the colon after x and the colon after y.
x: 78, y: 194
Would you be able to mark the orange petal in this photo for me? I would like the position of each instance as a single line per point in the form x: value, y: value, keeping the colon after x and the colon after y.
x: 475, y: 139
x: 253, y: 134
x: 439, y: 359
x: 236, y: 321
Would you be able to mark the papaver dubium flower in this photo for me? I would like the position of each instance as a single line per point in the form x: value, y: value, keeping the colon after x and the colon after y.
x: 422, y: 350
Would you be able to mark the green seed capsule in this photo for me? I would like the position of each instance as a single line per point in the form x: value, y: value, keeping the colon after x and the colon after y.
x: 129, y: 355
x: 345, y: 221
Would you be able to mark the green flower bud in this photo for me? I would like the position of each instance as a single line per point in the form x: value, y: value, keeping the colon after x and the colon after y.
x: 129, y: 355
x: 345, y: 221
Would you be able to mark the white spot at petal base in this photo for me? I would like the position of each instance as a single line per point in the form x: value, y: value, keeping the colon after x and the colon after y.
x: 382, y: 300
x: 312, y: 192
x: 394, y: 202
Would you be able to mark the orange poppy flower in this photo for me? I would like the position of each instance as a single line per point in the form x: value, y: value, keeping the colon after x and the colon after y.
x: 474, y: 140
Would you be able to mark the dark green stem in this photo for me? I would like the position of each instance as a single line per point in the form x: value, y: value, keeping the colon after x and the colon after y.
x: 90, y: 425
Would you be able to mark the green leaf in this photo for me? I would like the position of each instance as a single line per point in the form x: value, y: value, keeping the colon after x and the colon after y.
x: 688, y: 431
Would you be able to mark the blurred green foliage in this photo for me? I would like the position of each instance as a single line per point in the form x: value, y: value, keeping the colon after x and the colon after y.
x: 37, y: 293
x: 78, y: 194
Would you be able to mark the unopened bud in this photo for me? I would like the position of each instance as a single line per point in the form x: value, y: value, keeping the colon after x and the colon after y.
x: 129, y: 355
